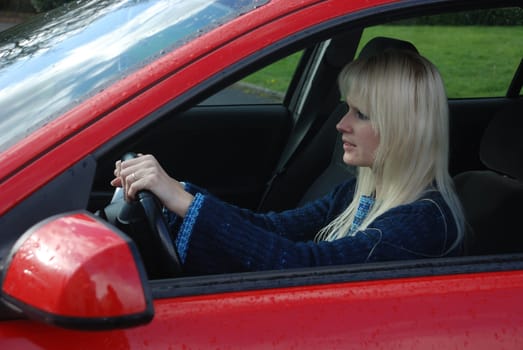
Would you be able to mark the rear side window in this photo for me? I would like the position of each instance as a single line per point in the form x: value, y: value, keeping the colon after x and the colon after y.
x: 477, y: 52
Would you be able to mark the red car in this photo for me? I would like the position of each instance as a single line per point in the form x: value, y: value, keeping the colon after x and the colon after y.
x: 185, y: 80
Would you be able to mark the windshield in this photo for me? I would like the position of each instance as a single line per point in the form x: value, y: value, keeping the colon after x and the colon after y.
x: 59, y: 59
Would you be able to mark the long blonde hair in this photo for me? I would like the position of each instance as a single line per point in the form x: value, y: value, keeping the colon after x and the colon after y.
x: 404, y: 97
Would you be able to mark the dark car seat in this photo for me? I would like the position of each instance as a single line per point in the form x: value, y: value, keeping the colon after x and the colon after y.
x: 493, y: 199
x: 317, y: 167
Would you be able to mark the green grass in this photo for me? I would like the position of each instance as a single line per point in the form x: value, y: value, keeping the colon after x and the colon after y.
x: 474, y: 61
x: 277, y: 76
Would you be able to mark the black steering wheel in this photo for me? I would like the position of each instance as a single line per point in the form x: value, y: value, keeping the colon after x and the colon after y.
x: 144, y: 222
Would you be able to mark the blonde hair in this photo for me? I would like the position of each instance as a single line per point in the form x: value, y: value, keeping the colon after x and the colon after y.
x: 404, y: 97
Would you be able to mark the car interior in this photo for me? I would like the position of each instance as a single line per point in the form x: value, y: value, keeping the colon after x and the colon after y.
x: 271, y: 157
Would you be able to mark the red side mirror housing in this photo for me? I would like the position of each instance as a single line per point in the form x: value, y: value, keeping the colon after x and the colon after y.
x: 76, y: 271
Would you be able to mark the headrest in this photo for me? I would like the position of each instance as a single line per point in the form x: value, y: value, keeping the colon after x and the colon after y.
x: 501, y: 147
x: 341, y: 49
x: 379, y: 44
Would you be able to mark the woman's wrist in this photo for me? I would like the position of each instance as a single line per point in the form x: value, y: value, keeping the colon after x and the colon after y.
x: 180, y: 201
x: 185, y: 202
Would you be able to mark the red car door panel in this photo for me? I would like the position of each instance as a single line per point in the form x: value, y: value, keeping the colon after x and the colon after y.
x: 421, y: 313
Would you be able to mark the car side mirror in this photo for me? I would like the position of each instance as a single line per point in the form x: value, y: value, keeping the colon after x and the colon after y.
x: 76, y: 271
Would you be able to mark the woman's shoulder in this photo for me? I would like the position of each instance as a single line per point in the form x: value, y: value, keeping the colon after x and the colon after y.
x: 429, y: 210
x: 433, y: 199
x: 344, y: 192
x: 424, y: 227
x: 346, y: 187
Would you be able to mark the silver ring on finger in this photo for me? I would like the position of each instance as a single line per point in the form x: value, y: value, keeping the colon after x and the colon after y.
x: 134, y: 177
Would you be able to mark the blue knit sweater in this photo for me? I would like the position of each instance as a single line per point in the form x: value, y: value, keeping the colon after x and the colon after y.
x: 217, y: 237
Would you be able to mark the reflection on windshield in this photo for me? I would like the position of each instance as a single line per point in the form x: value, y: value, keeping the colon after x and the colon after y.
x: 79, y: 51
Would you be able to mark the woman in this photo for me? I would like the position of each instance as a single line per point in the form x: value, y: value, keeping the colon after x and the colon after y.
x: 401, y: 206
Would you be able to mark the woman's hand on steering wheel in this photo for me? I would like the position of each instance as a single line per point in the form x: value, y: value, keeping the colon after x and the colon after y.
x: 144, y: 180
x: 145, y: 173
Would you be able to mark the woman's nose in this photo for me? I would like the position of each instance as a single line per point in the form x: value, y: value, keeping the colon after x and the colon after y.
x: 345, y: 124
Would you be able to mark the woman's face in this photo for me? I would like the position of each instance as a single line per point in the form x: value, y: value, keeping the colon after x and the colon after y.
x: 360, y: 140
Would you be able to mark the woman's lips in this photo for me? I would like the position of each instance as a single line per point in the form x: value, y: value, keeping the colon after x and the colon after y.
x: 348, y: 145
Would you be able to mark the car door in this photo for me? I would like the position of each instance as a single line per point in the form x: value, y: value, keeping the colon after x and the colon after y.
x: 390, y: 304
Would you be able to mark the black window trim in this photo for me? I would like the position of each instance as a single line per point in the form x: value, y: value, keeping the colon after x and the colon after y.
x: 263, y: 280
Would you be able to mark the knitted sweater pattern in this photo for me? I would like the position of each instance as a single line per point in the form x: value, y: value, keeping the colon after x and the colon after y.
x: 217, y: 237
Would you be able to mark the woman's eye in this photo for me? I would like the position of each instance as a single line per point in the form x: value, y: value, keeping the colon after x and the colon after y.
x: 362, y: 116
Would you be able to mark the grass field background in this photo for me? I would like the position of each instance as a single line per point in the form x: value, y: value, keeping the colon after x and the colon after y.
x: 474, y: 61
